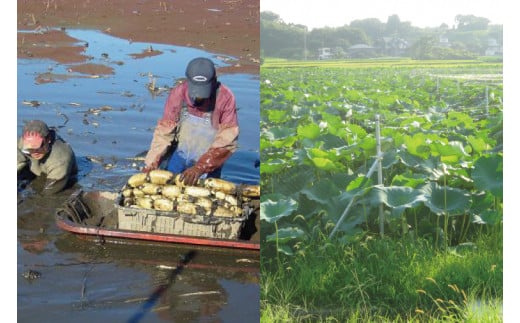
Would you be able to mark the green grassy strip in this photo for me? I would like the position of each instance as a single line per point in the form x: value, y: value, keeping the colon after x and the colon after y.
x: 383, y: 62
x: 384, y: 280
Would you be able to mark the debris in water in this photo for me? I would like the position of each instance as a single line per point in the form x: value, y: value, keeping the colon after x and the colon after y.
x: 32, y: 103
x: 209, y: 292
x: 31, y: 274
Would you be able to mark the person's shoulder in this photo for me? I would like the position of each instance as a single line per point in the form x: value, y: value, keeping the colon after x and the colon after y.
x: 225, y: 91
x: 62, y: 148
x: 181, y: 85
x: 224, y: 87
x: 19, y: 142
x: 179, y: 89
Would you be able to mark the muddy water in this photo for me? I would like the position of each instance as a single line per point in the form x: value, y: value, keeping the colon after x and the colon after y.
x: 109, y: 119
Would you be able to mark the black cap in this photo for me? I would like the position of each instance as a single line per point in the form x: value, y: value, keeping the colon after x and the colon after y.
x: 200, y: 73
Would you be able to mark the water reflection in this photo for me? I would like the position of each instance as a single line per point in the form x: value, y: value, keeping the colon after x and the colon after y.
x: 109, y: 119
x: 114, y: 115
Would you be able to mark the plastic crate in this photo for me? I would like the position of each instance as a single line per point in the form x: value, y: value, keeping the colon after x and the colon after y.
x: 149, y: 220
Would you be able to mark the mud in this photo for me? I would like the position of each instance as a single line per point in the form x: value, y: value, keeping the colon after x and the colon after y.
x: 230, y: 27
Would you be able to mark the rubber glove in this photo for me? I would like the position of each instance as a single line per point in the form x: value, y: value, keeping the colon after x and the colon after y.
x: 213, y: 159
x: 208, y: 162
x: 190, y: 176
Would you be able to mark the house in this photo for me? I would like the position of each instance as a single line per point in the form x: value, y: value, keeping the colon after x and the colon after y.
x: 324, y: 53
x: 493, y: 48
x: 444, y: 41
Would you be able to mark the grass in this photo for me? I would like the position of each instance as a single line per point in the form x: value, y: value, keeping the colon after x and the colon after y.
x: 384, y: 280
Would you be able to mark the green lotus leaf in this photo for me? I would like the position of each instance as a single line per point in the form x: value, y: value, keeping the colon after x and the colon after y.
x: 277, y: 116
x: 310, y: 131
x: 478, y: 144
x: 416, y: 145
x: 397, y: 198
x: 309, y: 143
x: 460, y: 120
x: 288, y: 94
x: 335, y: 125
x: 389, y: 159
x: 265, y: 144
x: 408, y: 159
x: 286, y: 234
x: 272, y: 211
x: 428, y: 165
x: 368, y: 144
x: 350, y: 225
x: 482, y: 201
x: 271, y: 143
x: 275, y: 133
x: 358, y: 184
x: 353, y: 95
x: 324, y: 164
x: 288, y: 142
x: 336, y: 205
x: 386, y: 100
x: 413, y: 121
x: 272, y: 166
x: 488, y: 174
x: 445, y: 200
x: 451, y: 152
x: 488, y: 217
x: 331, y: 141
x: 318, y: 153
x: 293, y: 179
x: 356, y: 130
x: 410, y: 180
x: 272, y: 196
x: 321, y: 191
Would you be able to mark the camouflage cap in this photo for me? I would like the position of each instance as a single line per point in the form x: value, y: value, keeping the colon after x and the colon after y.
x: 36, y: 126
x: 34, y: 132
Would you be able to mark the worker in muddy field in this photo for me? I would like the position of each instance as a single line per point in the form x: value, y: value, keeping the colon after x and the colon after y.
x: 44, y: 154
x: 199, y: 126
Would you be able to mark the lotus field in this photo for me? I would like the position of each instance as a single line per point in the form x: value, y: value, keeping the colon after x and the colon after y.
x: 406, y: 152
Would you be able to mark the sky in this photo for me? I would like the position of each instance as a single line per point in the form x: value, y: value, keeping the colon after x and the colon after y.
x: 420, y: 13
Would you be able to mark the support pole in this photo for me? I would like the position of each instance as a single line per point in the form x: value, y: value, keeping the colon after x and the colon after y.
x: 367, y: 176
x: 377, y: 163
x: 487, y: 100
x: 380, y: 175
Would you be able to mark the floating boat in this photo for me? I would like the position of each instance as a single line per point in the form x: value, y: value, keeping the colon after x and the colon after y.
x: 101, y: 216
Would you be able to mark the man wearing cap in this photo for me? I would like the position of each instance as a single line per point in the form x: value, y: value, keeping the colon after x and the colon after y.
x: 200, y: 118
x: 41, y: 152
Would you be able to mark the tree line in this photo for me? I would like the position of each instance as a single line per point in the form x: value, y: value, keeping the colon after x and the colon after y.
x: 468, y: 38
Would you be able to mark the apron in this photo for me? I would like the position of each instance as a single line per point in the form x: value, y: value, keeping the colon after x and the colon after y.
x: 194, y: 137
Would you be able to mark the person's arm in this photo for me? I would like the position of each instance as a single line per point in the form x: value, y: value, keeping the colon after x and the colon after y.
x: 164, y: 133
x: 59, y: 168
x: 228, y: 129
x: 22, y: 161
x: 53, y: 186
x: 163, y: 137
